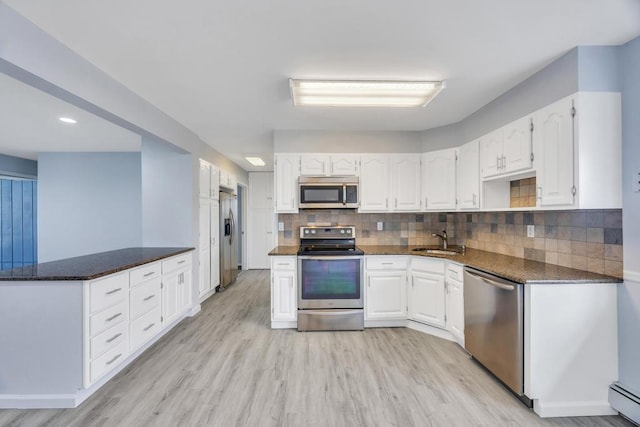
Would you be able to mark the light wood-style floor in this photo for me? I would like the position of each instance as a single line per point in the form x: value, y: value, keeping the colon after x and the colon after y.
x: 226, y: 367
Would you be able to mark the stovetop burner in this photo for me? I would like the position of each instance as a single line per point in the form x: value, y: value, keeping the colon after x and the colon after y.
x: 328, y: 241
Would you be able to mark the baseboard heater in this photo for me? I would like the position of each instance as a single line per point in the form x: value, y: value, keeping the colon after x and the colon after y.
x: 625, y: 401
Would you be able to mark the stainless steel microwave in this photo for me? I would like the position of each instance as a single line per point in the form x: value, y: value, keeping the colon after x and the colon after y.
x: 328, y: 192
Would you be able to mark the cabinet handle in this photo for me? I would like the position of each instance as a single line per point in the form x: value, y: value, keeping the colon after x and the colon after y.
x: 504, y: 162
x: 114, y: 359
x: 396, y: 203
x: 474, y: 199
x: 387, y: 263
x: 539, y: 195
x: 425, y: 203
x: 149, y: 297
x: 149, y: 327
x: 497, y: 162
x: 113, y: 291
x: 182, y: 262
x: 115, y: 316
x: 114, y: 337
x: 387, y: 203
x: 149, y: 274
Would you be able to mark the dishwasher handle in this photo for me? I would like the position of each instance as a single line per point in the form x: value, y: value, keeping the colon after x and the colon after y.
x: 498, y: 284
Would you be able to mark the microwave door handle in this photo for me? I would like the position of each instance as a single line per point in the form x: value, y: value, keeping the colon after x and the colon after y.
x: 344, y: 194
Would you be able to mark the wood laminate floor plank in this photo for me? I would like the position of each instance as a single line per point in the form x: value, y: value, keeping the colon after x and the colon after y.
x: 226, y: 367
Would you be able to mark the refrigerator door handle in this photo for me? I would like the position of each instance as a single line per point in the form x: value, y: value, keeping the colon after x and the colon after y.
x: 233, y: 226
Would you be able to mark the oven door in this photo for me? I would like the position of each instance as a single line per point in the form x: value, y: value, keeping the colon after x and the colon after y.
x: 330, y: 282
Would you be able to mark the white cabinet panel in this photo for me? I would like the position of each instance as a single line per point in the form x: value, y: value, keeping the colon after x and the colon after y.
x: 439, y: 180
x: 427, y: 299
x: 283, y: 295
x: 344, y: 165
x: 286, y: 182
x: 405, y: 182
x: 386, y: 295
x: 468, y: 176
x: 374, y: 183
x: 455, y: 301
x: 518, y: 145
x: 491, y: 146
x: 314, y: 164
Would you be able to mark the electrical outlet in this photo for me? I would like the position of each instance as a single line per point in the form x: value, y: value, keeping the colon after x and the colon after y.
x: 380, y: 227
x: 531, y: 231
x: 281, y: 226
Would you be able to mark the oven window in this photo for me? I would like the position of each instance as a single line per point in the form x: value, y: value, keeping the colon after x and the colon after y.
x: 321, y: 194
x: 331, y: 279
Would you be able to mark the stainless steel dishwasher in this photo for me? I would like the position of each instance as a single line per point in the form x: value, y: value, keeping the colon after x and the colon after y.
x: 494, y: 326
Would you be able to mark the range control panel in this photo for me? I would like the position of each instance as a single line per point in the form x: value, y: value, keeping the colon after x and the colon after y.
x: 332, y: 232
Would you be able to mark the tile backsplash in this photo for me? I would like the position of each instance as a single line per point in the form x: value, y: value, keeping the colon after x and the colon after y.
x: 584, y: 239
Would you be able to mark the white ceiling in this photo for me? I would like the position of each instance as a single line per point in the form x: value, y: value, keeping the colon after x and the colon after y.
x: 29, y: 125
x: 221, y: 67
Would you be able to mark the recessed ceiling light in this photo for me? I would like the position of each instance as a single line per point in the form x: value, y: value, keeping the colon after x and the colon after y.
x: 364, y: 93
x: 255, y: 161
x: 67, y: 120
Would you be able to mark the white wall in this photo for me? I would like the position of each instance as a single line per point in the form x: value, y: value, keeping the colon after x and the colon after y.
x: 88, y: 203
x: 629, y: 293
x: 167, y: 195
x: 319, y: 141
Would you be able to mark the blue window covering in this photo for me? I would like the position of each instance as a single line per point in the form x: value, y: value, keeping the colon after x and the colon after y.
x: 18, y: 224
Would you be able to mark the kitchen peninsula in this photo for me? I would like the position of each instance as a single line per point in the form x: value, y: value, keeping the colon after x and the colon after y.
x: 68, y: 326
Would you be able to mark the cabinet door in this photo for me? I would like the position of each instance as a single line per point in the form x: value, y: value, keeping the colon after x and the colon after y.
x: 427, y: 299
x: 170, y: 285
x: 205, y: 179
x: 284, y: 304
x: 286, y: 182
x: 468, y: 174
x: 204, y: 248
x: 405, y: 182
x: 314, y: 164
x: 386, y: 295
x: 215, y: 182
x: 518, y: 145
x: 184, y: 296
x: 439, y: 179
x: 215, y: 244
x: 344, y: 165
x: 374, y: 183
x: 491, y: 152
x: 554, y: 142
x: 455, y: 310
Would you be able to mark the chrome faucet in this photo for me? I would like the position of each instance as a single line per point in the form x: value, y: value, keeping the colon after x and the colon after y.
x: 443, y: 236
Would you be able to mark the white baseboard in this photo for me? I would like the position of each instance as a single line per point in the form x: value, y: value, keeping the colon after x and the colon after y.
x: 399, y: 323
x: 206, y: 295
x: 437, y: 332
x: 194, y: 310
x: 280, y: 324
x: 573, y: 409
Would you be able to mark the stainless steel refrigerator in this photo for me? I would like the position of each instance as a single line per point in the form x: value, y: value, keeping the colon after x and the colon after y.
x: 228, y: 239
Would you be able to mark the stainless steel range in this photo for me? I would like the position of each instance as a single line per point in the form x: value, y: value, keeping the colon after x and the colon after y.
x: 330, y: 276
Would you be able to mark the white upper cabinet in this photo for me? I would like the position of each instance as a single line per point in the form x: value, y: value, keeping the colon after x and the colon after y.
x: 286, y: 182
x: 405, y: 182
x: 328, y: 164
x: 439, y: 180
x: 315, y: 164
x: 344, y: 164
x: 507, y: 149
x: 209, y: 180
x: 374, y: 183
x: 578, y: 152
x: 468, y: 176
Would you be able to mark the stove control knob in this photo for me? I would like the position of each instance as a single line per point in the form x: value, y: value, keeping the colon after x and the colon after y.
x: 341, y: 231
x: 313, y: 231
x: 348, y: 231
x: 306, y: 231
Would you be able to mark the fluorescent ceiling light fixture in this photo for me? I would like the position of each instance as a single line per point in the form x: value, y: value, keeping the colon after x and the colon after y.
x: 255, y: 161
x: 364, y: 93
x: 67, y: 120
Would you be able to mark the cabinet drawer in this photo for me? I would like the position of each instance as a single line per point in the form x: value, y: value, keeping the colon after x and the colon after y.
x: 436, y: 266
x: 144, y: 273
x: 454, y: 271
x: 108, y: 291
x: 109, y: 339
x: 109, y: 360
x: 108, y: 318
x: 176, y: 262
x: 144, y: 298
x: 283, y: 263
x: 145, y: 328
x: 386, y: 263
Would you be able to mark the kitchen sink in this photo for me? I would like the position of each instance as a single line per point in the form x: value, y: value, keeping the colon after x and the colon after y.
x: 438, y: 251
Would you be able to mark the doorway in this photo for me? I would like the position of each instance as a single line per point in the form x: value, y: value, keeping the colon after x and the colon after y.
x: 18, y: 222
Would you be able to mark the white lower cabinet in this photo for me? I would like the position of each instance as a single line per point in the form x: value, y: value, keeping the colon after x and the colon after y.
x: 126, y: 310
x: 455, y: 301
x: 427, y: 291
x: 385, y: 291
x: 284, y: 299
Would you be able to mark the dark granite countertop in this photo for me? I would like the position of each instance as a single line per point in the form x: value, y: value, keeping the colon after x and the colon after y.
x: 516, y: 269
x: 92, y: 266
